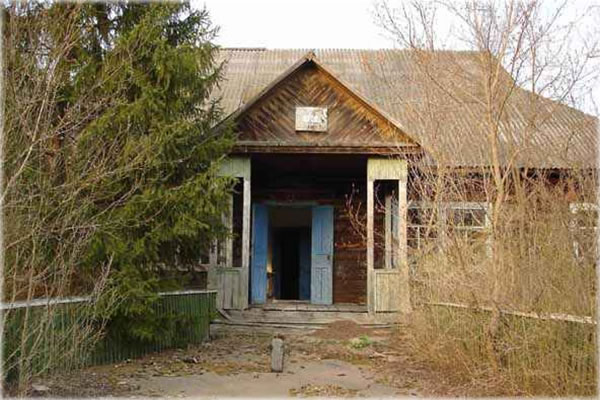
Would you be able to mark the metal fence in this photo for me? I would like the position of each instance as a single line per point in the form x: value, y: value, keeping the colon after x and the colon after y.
x: 40, y: 340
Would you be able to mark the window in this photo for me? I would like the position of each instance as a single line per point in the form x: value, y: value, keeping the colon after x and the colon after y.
x: 467, y: 222
x: 584, y: 226
x: 434, y: 225
x: 206, y: 257
x: 422, y: 226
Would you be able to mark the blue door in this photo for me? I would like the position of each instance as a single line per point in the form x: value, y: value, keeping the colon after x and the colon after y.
x: 322, y: 255
x: 260, y: 240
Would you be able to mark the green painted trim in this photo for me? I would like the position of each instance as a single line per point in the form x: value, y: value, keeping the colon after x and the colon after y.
x: 238, y: 167
x: 383, y: 169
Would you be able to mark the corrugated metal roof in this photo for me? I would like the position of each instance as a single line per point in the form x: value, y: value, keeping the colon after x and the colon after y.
x: 436, y: 98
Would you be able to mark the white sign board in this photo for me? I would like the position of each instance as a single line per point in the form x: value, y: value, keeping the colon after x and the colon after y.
x: 313, y: 119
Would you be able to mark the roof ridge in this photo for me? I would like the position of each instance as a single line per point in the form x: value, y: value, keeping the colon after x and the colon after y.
x: 244, y: 48
x: 342, y: 49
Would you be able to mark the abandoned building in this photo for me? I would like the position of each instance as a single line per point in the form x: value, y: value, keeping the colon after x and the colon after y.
x: 312, y: 128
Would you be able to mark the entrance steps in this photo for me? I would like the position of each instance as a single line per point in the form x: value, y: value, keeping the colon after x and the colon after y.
x: 300, y: 314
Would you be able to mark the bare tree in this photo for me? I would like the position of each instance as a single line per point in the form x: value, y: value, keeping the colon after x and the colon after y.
x: 45, y: 200
x: 503, y: 201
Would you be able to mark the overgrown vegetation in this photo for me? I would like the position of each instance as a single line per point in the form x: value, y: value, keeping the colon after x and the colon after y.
x: 503, y: 253
x: 109, y: 160
x: 520, y: 322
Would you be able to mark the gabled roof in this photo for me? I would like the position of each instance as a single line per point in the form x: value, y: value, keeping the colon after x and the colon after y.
x: 309, y: 58
x: 434, y: 98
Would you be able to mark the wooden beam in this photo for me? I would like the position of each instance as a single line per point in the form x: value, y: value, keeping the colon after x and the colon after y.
x: 328, y: 143
x: 388, y: 232
x: 321, y: 149
x: 370, y: 250
x: 402, y: 259
x: 228, y: 222
x: 245, y: 241
x: 402, y: 221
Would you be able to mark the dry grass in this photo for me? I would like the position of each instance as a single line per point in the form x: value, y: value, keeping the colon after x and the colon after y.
x: 526, y: 357
x: 536, y: 255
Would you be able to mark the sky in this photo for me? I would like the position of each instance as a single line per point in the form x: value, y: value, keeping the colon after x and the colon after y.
x: 295, y: 23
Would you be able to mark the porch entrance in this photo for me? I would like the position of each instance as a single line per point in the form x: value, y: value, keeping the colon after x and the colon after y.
x: 292, y: 253
x: 286, y: 189
x: 288, y: 273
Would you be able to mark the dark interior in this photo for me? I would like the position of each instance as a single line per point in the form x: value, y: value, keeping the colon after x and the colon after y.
x: 288, y: 268
x: 290, y: 246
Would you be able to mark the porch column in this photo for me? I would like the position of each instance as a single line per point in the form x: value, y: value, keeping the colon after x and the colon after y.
x: 370, y: 245
x: 232, y: 282
x: 401, y: 250
x: 388, y: 287
x: 246, y: 239
x: 402, y: 221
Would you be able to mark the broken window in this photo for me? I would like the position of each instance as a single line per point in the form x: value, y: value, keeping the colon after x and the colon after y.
x: 448, y: 226
x: 466, y: 225
x: 422, y: 226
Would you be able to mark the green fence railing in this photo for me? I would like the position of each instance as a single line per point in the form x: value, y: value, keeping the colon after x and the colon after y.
x: 48, y: 334
x: 185, y: 319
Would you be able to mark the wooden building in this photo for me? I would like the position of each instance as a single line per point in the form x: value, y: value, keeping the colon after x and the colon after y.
x: 314, y: 127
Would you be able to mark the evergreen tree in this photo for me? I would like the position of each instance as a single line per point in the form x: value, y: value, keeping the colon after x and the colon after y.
x: 160, y: 66
x: 115, y: 161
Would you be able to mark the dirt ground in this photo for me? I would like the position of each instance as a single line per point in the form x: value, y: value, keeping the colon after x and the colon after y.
x: 342, y: 360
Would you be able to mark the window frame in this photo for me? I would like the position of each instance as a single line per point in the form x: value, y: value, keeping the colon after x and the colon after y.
x: 575, y: 208
x: 442, y: 209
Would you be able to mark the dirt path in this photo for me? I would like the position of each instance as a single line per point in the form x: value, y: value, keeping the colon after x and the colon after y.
x: 342, y: 360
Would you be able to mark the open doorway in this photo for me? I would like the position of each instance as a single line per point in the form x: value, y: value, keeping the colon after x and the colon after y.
x: 289, y: 269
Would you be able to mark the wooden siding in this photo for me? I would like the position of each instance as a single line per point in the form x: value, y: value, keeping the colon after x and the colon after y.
x: 388, y: 295
x: 349, y: 261
x: 350, y: 122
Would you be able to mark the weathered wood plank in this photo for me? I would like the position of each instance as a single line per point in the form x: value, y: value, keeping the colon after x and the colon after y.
x: 581, y: 319
x: 387, y: 169
x: 399, y: 150
x: 245, y: 244
x: 277, y: 355
x: 388, y: 231
x: 370, y: 244
x: 389, y: 287
x: 232, y: 283
x: 387, y: 291
x: 238, y: 167
x: 273, y: 117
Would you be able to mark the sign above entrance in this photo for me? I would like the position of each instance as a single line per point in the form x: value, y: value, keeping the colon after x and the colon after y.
x: 313, y: 119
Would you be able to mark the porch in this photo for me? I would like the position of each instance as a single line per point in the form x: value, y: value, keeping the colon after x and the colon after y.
x: 294, y: 256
